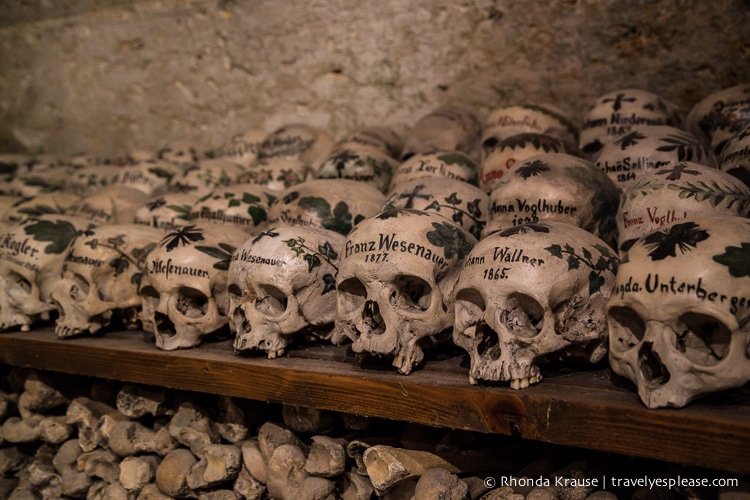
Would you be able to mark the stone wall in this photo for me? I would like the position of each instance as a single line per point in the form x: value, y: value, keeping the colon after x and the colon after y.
x: 108, y: 76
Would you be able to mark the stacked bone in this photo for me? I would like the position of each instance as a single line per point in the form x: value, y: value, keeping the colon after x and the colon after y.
x: 132, y: 442
x: 503, y: 232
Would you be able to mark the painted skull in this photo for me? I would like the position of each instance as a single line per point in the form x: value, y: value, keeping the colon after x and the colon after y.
x: 31, y: 257
x: 556, y: 187
x: 334, y: 204
x: 464, y: 204
x: 533, y: 294
x: 381, y: 138
x: 243, y: 206
x: 446, y: 129
x: 282, y: 285
x: 204, y: 176
x: 100, y: 276
x: 734, y: 157
x: 110, y: 205
x: 277, y: 173
x: 644, y: 149
x: 679, y: 321
x: 676, y: 192
x: 360, y: 163
x: 309, y: 144
x: 436, y: 163
x: 181, y: 152
x: 150, y: 176
x: 395, y: 283
x: 166, y: 212
x: 56, y: 202
x: 183, y: 288
x: 242, y: 148
x: 720, y: 116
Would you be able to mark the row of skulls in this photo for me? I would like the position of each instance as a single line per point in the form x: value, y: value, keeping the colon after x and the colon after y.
x: 508, y: 241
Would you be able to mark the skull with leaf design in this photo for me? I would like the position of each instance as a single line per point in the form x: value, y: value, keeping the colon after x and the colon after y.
x: 32, y: 253
x: 720, y: 116
x: 436, y: 163
x: 151, y: 176
x: 532, y: 294
x: 244, y: 206
x: 101, y: 273
x: 360, y: 163
x: 679, y: 321
x: 109, y: 205
x: 166, y: 212
x: 395, y: 283
x: 204, y: 176
x: 282, y: 286
x: 183, y: 289
x: 445, y: 128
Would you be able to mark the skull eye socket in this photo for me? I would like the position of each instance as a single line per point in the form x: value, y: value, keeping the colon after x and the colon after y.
x: 20, y: 282
x: 703, y: 340
x: 470, y: 307
x: 411, y: 292
x: 272, y: 302
x: 524, y: 316
x: 191, y: 302
x: 235, y: 292
x: 627, y: 326
x: 351, y: 295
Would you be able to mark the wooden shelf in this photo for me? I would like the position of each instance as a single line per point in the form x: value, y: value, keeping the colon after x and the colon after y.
x: 589, y: 409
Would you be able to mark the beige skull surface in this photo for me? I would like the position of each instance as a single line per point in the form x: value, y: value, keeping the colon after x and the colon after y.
x: 309, y: 144
x: 734, y: 157
x: 556, y: 187
x: 204, y: 176
x: 166, y: 212
x: 508, y: 121
x: 395, y: 283
x: 679, y: 318
x: 381, y: 138
x: 242, y: 148
x: 6, y: 203
x: 277, y: 173
x: 181, y: 152
x: 533, y: 294
x: 644, y: 149
x: 613, y: 115
x: 243, y: 206
x: 87, y: 180
x: 334, y: 204
x: 360, y: 163
x: 436, y: 163
x: 43, y: 173
x: 464, y: 204
x: 183, y: 289
x: 56, y: 202
x: 110, y: 205
x: 508, y: 153
x: 101, y: 272
x: 150, y: 176
x: 31, y: 258
x: 720, y: 116
x: 677, y: 192
x: 444, y: 128
x: 282, y: 286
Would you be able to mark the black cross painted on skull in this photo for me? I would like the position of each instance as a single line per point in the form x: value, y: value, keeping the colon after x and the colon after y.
x: 675, y: 173
x: 618, y: 100
x: 414, y: 194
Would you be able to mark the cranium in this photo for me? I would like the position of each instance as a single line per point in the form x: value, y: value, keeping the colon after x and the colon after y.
x: 720, y: 116
x: 395, y: 283
x: 734, y: 157
x: 335, y: 204
x: 184, y: 285
x: 446, y: 129
x: 277, y: 173
x: 100, y: 276
x: 532, y: 294
x: 181, y: 152
x: 204, y: 176
x: 678, y: 321
x: 309, y: 144
x: 242, y: 148
x: 556, y: 187
x: 381, y: 138
x: 56, y: 202
x: 166, y: 212
x: 436, y: 163
x: 30, y: 263
x: 243, y: 206
x: 282, y: 284
x: 678, y: 191
x: 110, y: 205
x: 150, y: 176
x: 360, y: 163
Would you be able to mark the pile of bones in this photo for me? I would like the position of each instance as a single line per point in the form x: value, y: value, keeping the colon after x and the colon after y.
x: 516, y: 236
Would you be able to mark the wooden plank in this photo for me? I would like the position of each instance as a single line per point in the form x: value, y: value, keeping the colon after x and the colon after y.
x: 579, y: 408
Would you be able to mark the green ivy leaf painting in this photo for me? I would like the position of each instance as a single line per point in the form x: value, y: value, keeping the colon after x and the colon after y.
x: 452, y: 239
x: 59, y: 233
x: 223, y: 254
x: 737, y: 260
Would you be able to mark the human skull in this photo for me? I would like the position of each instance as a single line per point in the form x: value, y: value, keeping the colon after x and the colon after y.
x: 110, y: 205
x: 204, y: 176
x: 277, y: 173
x: 181, y: 152
x: 395, y: 283
x: 101, y: 273
x: 87, y: 180
x: 436, y: 163
x: 309, y: 144
x: 464, y: 204
x: 444, y: 128
x: 334, y: 204
x: 676, y: 192
x: 31, y: 255
x: 679, y: 319
x: 150, y: 176
x: 643, y: 149
x: 56, y: 202
x: 720, y: 116
x: 242, y: 148
x: 360, y: 163
x: 282, y: 285
x: 508, y: 121
x: 533, y: 294
x: 511, y: 151
x: 11, y: 165
x: 381, y: 138
x: 556, y: 187
x: 613, y: 115
x: 167, y: 212
x: 734, y: 157
x: 244, y: 206
x: 183, y: 288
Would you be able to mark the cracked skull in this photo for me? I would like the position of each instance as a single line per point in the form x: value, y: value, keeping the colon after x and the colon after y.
x: 184, y: 284
x: 100, y: 278
x: 281, y: 285
x: 678, y: 321
x: 395, y: 283
x: 532, y: 294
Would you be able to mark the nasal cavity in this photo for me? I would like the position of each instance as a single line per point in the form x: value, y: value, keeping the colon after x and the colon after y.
x: 164, y: 325
x: 372, y: 319
x: 488, y: 341
x: 652, y: 369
